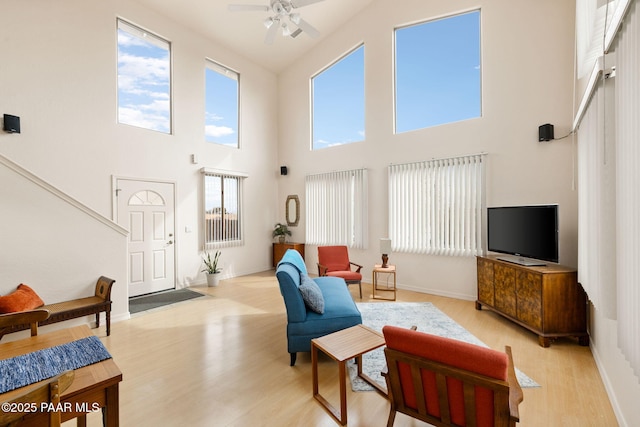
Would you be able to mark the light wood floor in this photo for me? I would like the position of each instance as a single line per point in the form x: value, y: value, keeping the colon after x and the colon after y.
x: 221, y: 360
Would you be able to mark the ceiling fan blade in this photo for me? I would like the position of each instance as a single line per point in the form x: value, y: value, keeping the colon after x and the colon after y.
x: 296, y: 33
x: 245, y: 7
x: 272, y: 31
x: 301, y: 3
x: 308, y: 28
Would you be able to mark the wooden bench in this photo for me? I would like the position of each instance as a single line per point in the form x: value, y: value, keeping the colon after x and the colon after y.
x: 67, y: 310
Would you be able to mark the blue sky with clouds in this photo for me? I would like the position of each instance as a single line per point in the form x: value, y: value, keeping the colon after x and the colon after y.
x: 437, y: 80
x: 143, y: 82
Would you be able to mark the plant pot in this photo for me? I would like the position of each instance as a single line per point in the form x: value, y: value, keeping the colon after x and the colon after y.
x: 213, y: 279
x: 281, y: 239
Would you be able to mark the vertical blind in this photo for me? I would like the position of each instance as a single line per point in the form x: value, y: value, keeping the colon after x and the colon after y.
x: 435, y: 207
x: 596, y: 204
x: 336, y: 208
x: 627, y: 96
x: 608, y: 176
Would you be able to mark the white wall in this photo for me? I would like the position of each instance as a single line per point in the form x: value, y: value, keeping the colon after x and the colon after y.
x: 58, y: 73
x: 527, y: 73
x: 55, y: 245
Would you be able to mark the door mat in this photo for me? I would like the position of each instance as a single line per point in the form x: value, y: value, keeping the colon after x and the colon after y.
x: 148, y: 302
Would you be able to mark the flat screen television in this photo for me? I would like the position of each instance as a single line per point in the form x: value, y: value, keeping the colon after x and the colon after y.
x: 524, y: 232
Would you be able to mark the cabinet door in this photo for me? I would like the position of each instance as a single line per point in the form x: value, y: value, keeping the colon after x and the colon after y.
x: 505, y: 289
x: 485, y: 282
x: 529, y: 298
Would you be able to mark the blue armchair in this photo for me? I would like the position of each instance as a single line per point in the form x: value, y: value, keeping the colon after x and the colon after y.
x: 303, y: 323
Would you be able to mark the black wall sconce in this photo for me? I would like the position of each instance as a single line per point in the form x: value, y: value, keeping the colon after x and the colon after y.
x: 283, y: 170
x: 545, y: 132
x: 11, y: 124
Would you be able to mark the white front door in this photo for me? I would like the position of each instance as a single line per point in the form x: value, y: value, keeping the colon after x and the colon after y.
x: 146, y: 209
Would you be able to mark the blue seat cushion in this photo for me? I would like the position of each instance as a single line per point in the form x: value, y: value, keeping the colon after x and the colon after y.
x: 340, y: 311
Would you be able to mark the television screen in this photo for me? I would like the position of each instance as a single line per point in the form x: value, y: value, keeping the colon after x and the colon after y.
x: 525, y: 231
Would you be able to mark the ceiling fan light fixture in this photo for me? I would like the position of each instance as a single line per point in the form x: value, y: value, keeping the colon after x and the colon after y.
x: 281, y: 9
x: 286, y: 31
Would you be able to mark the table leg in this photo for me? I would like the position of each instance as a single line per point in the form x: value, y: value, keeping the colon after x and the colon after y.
x: 111, y: 411
x: 343, y: 392
x: 338, y: 415
x: 368, y: 379
x: 314, y: 368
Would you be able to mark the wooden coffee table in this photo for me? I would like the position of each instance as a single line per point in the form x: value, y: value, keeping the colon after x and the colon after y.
x: 342, y: 346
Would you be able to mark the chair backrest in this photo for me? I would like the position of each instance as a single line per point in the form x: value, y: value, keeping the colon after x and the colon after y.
x: 334, y: 258
x: 42, y: 398
x: 446, y: 382
x: 288, y: 272
x: 32, y: 317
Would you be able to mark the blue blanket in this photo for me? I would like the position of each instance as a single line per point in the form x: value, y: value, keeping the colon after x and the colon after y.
x: 30, y: 368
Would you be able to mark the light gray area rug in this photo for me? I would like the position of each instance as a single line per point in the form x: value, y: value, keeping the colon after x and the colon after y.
x: 427, y: 318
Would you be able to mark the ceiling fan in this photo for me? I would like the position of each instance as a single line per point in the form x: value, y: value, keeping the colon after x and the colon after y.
x: 283, y: 17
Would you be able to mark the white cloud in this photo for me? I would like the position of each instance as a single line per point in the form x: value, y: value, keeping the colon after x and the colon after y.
x: 140, y: 70
x: 140, y: 116
x: 218, y: 131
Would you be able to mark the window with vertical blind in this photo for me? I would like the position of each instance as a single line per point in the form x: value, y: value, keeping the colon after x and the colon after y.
x: 435, y: 207
x: 608, y: 175
x: 336, y: 208
x: 222, y: 208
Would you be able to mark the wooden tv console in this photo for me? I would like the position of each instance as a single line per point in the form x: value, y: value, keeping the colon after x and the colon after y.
x: 547, y: 300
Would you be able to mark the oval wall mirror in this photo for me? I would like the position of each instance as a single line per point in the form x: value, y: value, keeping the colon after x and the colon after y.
x: 293, y: 210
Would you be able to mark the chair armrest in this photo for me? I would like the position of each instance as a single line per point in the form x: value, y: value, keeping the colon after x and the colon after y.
x: 356, y: 265
x: 322, y: 270
x: 103, y: 288
x: 515, y: 391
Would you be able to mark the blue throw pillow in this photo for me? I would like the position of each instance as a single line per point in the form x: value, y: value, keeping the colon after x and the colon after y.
x: 311, y: 294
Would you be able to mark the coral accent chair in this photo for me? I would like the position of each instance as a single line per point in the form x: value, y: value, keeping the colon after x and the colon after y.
x: 334, y: 261
x: 445, y: 382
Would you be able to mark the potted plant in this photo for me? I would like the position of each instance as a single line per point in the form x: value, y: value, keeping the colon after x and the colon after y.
x: 212, y: 270
x: 282, y: 231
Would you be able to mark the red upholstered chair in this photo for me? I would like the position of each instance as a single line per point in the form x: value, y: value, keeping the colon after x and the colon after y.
x: 445, y: 382
x: 334, y: 261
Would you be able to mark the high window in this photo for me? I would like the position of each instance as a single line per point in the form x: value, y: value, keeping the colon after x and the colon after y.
x: 222, y: 208
x: 338, y: 102
x: 437, y: 72
x: 222, y: 105
x: 144, y: 79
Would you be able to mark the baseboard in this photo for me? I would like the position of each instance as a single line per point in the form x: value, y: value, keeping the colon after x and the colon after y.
x: 608, y: 386
x: 437, y: 292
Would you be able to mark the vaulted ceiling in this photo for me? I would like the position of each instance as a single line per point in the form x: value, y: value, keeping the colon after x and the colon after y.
x: 244, y: 31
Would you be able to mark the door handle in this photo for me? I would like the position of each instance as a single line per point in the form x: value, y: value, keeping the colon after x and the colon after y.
x: 170, y: 242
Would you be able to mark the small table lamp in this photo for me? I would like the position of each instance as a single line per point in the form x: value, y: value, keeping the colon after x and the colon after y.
x: 385, y: 249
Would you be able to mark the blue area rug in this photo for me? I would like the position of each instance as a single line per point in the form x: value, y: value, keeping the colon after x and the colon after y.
x: 427, y: 318
x: 30, y: 368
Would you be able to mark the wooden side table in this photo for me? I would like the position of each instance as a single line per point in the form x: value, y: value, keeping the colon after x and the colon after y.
x: 342, y: 346
x: 389, y: 271
x: 280, y: 248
